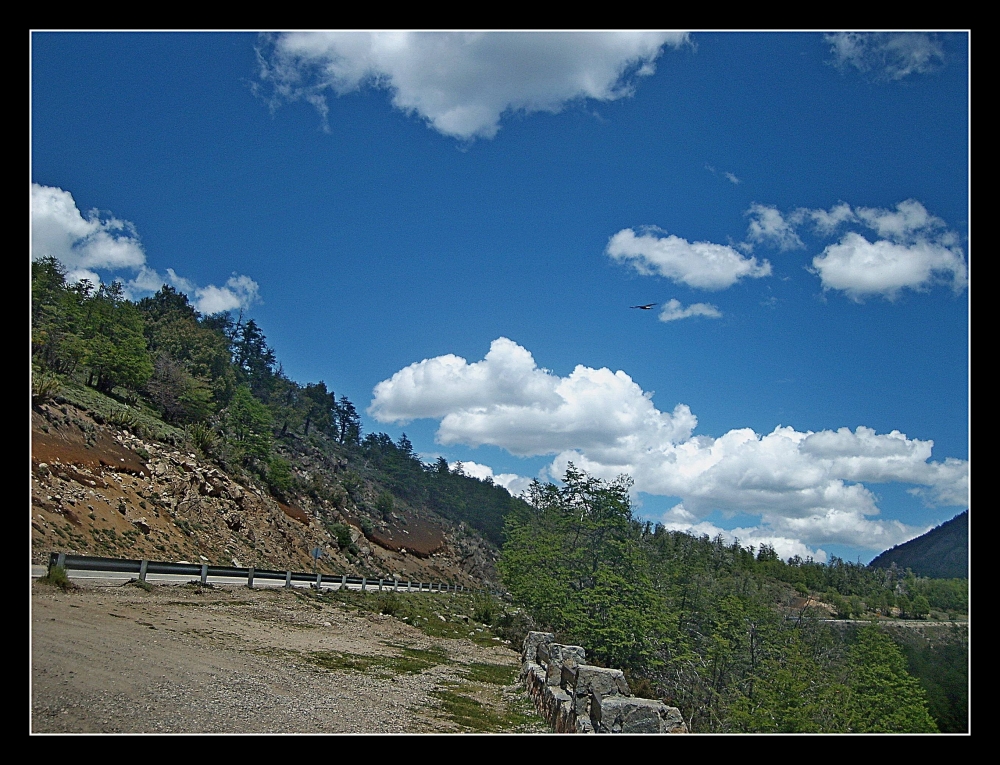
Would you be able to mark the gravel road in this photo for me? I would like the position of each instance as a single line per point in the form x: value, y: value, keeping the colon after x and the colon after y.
x: 111, y: 658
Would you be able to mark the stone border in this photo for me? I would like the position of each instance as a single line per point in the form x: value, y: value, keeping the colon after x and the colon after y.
x: 576, y: 697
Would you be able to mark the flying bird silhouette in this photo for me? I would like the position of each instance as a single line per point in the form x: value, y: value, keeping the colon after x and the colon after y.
x: 644, y: 307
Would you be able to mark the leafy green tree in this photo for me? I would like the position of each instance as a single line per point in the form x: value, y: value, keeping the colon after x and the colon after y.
x: 321, y: 407
x: 246, y: 427
x: 882, y: 696
x: 574, y: 560
x: 193, y: 372
x: 114, y: 345
x: 348, y: 423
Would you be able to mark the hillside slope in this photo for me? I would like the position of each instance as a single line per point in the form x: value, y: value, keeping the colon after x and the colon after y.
x: 941, y: 553
x: 118, y: 491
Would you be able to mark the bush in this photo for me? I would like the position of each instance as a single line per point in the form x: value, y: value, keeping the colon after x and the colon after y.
x: 202, y: 437
x: 57, y: 576
x: 384, y: 505
x: 484, y: 609
x: 342, y: 533
x: 389, y: 604
x: 44, y: 387
x: 513, y: 626
x: 279, y: 476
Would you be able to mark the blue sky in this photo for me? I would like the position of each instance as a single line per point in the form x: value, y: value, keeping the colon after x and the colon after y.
x: 451, y: 229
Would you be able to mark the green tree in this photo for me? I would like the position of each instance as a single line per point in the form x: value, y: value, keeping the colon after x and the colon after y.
x: 114, y: 345
x: 882, y: 696
x: 348, y: 423
x: 246, y: 427
x: 574, y: 561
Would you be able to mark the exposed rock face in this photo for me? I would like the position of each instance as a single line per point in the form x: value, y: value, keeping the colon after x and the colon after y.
x: 588, y: 699
x: 101, y: 490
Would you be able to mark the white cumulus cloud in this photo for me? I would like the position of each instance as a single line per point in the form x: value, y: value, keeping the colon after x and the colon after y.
x: 81, y: 244
x: 674, y: 310
x: 703, y: 265
x: 808, y: 488
x: 912, y: 249
x: 861, y: 268
x: 767, y: 224
x: 508, y: 401
x: 88, y: 244
x: 462, y: 84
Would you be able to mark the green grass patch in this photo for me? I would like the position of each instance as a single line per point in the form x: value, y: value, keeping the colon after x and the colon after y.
x: 494, y: 674
x: 413, y: 661
x: 472, y: 715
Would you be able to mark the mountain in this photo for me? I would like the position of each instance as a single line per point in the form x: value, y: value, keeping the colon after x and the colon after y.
x: 941, y: 553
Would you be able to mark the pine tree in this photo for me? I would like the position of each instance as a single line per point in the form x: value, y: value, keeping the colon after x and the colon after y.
x: 882, y: 696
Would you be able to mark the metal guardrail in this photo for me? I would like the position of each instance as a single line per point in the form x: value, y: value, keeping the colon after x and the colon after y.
x: 203, y: 571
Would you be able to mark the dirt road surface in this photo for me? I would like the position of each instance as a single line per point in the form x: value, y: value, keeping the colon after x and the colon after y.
x: 183, y: 659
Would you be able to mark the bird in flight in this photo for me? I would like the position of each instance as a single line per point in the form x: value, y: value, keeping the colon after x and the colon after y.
x: 645, y: 307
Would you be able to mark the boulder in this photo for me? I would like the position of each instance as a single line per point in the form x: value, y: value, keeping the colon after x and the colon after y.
x: 553, y: 656
x: 625, y: 714
x: 529, y: 651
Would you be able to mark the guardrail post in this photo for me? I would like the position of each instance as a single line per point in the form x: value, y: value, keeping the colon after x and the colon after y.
x: 364, y: 583
x: 204, y: 573
x: 343, y: 581
x: 61, y: 560
x: 395, y: 584
x: 288, y: 579
x: 319, y: 581
x: 250, y: 577
x: 408, y: 587
x: 142, y: 570
x: 380, y: 585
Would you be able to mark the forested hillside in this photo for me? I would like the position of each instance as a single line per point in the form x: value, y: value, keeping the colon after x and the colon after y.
x: 209, y: 391
x: 942, y: 553
x: 735, y: 637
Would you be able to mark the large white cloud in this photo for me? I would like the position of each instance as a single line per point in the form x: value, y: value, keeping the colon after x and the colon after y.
x: 862, y: 268
x: 886, y: 56
x: 703, y: 265
x: 807, y: 487
x: 87, y: 244
x: 912, y: 248
x: 81, y: 244
x: 508, y: 401
x: 462, y: 84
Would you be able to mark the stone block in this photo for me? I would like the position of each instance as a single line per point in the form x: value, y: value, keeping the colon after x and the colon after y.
x: 554, y: 655
x: 529, y: 651
x: 627, y: 714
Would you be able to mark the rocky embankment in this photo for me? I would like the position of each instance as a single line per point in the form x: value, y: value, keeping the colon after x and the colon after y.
x: 102, y: 490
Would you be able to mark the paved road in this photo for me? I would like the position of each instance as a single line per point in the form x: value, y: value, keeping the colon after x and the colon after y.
x: 110, y: 577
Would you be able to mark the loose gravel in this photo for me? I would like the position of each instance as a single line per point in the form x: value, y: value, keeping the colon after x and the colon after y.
x: 112, y: 658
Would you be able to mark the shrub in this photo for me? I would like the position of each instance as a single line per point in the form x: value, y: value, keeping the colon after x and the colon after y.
x: 384, y: 505
x: 342, y: 533
x: 44, y: 387
x: 202, y: 437
x: 57, y: 577
x: 279, y: 476
x: 484, y: 609
x: 389, y: 604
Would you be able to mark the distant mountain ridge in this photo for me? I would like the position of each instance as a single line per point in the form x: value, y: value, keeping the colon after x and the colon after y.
x: 941, y: 553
